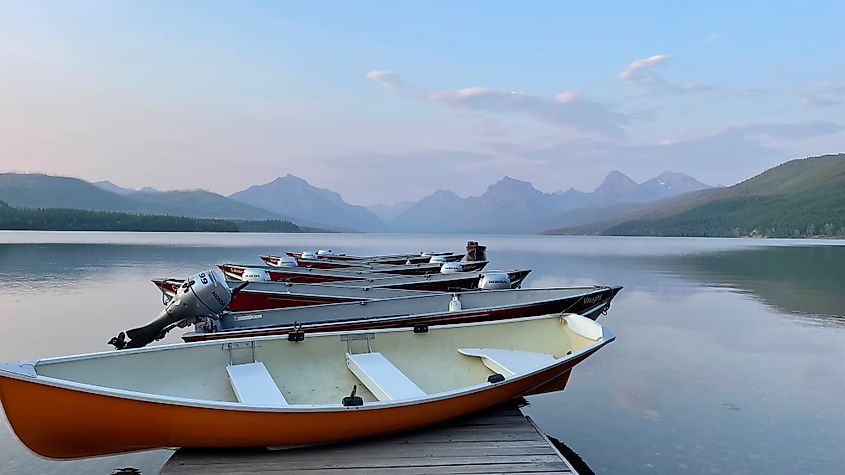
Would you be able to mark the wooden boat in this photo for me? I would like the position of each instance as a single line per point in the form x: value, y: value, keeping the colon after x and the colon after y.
x: 419, y: 310
x: 332, y: 263
x: 275, y: 392
x: 264, y: 295
x: 307, y: 275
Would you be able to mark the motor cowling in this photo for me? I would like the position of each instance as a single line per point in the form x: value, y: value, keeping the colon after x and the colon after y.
x: 203, y: 295
x: 308, y: 255
x: 325, y: 253
x: 451, y: 268
x: 255, y: 275
x: 494, y: 281
x: 286, y: 261
x: 437, y: 259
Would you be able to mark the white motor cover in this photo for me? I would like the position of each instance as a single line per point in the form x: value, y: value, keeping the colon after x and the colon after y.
x: 451, y: 268
x: 209, y: 287
x: 255, y: 275
x: 494, y: 281
x: 325, y: 252
x: 308, y: 255
x: 437, y: 259
x: 426, y: 253
x: 286, y: 261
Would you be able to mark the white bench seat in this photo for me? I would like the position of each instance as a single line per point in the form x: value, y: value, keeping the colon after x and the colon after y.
x: 254, y: 386
x: 384, y: 380
x: 510, y: 362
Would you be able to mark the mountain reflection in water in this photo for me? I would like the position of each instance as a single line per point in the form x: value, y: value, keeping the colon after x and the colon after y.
x: 802, y: 281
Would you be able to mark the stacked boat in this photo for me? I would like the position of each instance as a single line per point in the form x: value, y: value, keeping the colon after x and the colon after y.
x: 309, y: 348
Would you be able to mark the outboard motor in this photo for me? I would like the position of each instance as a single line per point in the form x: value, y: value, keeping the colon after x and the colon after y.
x: 437, y: 260
x: 255, y: 275
x: 286, y: 261
x: 494, y: 281
x: 451, y: 268
x: 476, y: 252
x: 203, y: 295
x: 308, y: 255
x: 325, y: 253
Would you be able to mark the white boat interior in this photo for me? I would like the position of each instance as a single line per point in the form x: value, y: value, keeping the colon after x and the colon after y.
x: 384, y: 365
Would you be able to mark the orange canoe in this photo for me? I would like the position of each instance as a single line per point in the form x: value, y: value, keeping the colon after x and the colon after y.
x: 271, y: 391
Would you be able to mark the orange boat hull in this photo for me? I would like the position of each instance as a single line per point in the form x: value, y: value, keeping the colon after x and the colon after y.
x: 62, y: 422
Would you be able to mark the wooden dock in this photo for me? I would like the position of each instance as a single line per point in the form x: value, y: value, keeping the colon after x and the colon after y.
x: 501, y: 440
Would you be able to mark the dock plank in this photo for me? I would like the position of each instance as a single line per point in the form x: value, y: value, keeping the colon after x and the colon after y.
x: 500, y: 440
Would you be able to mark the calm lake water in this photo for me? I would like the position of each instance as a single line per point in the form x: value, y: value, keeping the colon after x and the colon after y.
x: 729, y: 358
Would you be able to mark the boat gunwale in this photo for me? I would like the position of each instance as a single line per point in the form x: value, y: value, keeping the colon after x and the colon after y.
x: 420, y: 294
x: 463, y: 311
x: 358, y: 269
x: 607, y: 337
x: 362, y: 274
x: 236, y: 332
x: 288, y: 291
x: 380, y: 256
x: 427, y: 294
x: 348, y: 263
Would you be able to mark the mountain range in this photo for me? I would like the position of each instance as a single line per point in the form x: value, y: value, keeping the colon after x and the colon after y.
x: 799, y: 198
x: 45, y: 191
x: 507, y: 206
x: 515, y: 206
x: 292, y: 196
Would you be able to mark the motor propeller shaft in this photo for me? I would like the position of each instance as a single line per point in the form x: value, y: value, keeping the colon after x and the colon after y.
x: 201, y: 296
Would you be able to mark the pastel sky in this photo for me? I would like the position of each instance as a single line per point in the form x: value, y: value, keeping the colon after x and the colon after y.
x: 388, y: 101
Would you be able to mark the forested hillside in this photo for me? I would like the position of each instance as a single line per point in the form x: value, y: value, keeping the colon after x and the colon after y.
x: 800, y: 198
x: 58, y: 219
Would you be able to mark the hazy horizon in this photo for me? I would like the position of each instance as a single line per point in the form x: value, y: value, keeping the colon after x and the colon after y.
x: 463, y: 195
x: 386, y: 103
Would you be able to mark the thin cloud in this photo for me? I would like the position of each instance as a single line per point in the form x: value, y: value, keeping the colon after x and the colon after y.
x: 641, y: 66
x: 786, y: 131
x: 644, y: 75
x: 392, y: 82
x: 825, y: 94
x: 568, y: 110
x: 818, y: 102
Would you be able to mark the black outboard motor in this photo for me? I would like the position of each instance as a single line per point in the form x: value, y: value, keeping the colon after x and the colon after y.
x: 202, y: 296
x: 476, y: 252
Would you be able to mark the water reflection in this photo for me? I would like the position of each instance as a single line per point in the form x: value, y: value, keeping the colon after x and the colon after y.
x: 67, y: 267
x: 575, y: 460
x: 806, y: 282
x: 801, y: 281
x: 721, y: 362
x: 126, y: 471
